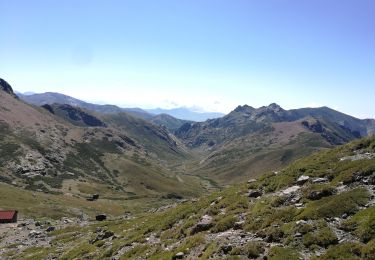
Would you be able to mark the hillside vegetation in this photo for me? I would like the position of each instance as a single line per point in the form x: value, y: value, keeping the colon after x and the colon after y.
x: 320, y: 207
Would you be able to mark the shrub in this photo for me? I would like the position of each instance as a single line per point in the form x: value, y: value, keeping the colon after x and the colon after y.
x: 224, y: 224
x: 322, y: 237
x: 336, y: 205
x: 362, y: 224
x: 251, y: 249
x: 368, y: 251
x: 342, y: 251
x: 282, y: 253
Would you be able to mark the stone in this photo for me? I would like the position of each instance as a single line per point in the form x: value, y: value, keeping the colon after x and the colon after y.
x: 302, y: 179
x: 103, y: 235
x: 301, y: 222
x: 291, y: 190
x: 226, y: 248
x: 251, y: 181
x: 319, y: 180
x: 298, y: 205
x: 238, y: 225
x: 34, y: 233
x: 179, y: 255
x: 297, y: 234
x: 101, y: 217
x: 254, y: 193
x: 50, y: 229
x: 316, y: 195
x: 204, y: 224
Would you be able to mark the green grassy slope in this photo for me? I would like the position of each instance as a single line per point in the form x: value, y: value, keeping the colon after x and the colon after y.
x: 327, y: 218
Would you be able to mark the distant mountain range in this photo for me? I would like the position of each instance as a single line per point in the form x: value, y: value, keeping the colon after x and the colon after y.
x: 244, y: 143
x: 56, y: 158
x: 186, y: 114
x: 179, y: 113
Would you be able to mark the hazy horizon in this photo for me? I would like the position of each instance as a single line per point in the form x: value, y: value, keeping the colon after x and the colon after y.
x: 211, y: 55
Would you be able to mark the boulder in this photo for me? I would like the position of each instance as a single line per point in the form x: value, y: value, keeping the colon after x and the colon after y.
x: 226, y: 249
x: 238, y: 225
x: 50, y: 229
x: 319, y: 180
x: 102, y: 235
x: 254, y: 193
x: 101, y: 217
x: 204, y: 224
x: 179, y: 255
x: 316, y: 195
x: 302, y: 179
x: 291, y: 190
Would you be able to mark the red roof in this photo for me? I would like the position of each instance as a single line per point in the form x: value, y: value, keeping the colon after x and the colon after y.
x: 7, y: 214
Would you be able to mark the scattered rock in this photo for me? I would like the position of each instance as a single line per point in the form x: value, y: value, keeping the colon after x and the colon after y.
x: 298, y: 235
x: 254, y: 193
x: 357, y: 157
x: 291, y: 190
x: 34, y: 233
x: 303, y: 179
x: 251, y: 181
x: 102, y: 235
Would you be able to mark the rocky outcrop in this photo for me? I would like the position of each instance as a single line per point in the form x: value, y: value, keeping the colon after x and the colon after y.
x: 4, y: 86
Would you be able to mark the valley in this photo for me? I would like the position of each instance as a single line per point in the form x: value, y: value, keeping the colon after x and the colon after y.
x: 172, y: 188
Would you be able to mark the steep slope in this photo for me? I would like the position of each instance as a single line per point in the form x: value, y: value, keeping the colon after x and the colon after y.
x: 248, y: 141
x: 320, y: 207
x: 154, y: 138
x: 44, y: 151
x: 364, y: 127
x: 74, y: 115
x: 170, y: 122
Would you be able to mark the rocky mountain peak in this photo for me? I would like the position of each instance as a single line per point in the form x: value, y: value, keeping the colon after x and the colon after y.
x: 244, y: 108
x: 4, y: 86
x: 275, y: 107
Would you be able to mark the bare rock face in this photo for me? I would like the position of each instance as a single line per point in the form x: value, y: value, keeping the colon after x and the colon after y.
x: 4, y: 86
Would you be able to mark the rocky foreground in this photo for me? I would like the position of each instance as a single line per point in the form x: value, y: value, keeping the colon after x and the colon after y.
x: 321, y: 207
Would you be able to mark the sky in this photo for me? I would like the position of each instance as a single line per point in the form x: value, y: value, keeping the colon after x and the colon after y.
x: 209, y: 54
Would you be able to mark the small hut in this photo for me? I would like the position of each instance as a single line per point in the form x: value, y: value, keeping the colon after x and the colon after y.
x: 8, y: 216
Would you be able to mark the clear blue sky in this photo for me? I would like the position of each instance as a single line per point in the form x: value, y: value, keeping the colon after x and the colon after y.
x: 212, y: 54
